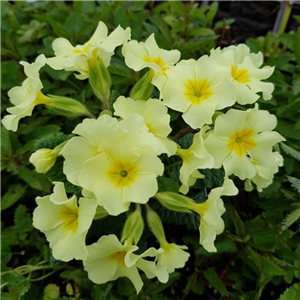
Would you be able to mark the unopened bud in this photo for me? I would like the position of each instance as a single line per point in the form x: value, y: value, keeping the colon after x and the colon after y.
x: 133, y: 227
x: 175, y: 202
x: 155, y: 225
x: 142, y: 90
x: 66, y: 106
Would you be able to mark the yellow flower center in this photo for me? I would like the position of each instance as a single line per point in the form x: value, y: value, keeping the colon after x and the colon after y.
x: 185, y: 154
x: 241, y: 141
x: 119, y: 257
x: 240, y: 76
x: 84, y: 49
x: 71, y: 218
x: 200, y: 208
x: 41, y: 99
x: 157, y: 60
x: 122, y: 174
x: 199, y: 91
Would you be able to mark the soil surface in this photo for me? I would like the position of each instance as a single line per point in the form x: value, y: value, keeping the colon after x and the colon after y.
x: 253, y: 18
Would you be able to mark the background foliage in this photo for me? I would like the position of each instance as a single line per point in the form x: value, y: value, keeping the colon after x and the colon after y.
x: 258, y: 254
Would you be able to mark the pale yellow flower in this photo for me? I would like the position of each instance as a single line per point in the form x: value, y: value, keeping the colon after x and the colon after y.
x: 108, y: 260
x: 198, y: 89
x: 119, y: 175
x: 211, y: 223
x: 156, y: 127
x: 76, y: 58
x: 148, y: 55
x: 246, y: 73
x: 241, y: 138
x: 265, y: 167
x: 64, y: 223
x: 194, y: 158
x: 91, y: 134
x: 27, y: 96
x: 173, y: 256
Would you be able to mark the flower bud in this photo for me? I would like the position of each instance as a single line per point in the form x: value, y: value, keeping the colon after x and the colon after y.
x: 99, y: 78
x: 43, y: 159
x: 133, y: 228
x: 155, y: 225
x: 174, y: 201
x: 142, y: 90
x: 67, y: 106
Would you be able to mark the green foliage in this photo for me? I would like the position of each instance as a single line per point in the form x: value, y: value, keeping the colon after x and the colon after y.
x: 259, y: 251
x: 291, y: 293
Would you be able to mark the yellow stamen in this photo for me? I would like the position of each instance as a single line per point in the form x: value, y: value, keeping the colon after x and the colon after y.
x: 199, y: 91
x: 157, y: 60
x: 84, y: 49
x: 122, y: 174
x: 240, y: 76
x: 241, y: 141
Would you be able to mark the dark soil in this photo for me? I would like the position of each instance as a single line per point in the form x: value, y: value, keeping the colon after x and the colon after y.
x: 252, y: 18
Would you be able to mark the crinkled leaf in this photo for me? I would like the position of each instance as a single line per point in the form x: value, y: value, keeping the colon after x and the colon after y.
x: 214, y: 279
x: 14, y: 193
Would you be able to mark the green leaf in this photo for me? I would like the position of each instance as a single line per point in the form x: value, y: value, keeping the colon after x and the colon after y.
x: 23, y: 219
x: 121, y: 17
x: 212, y: 276
x: 295, y: 183
x: 291, y: 293
x: 290, y: 151
x: 212, y: 12
x: 167, y: 184
x: 14, y: 193
x: 35, y: 180
x: 202, y: 31
x: 85, y: 7
x: 213, y: 177
x: 7, y: 296
x: 297, y: 46
x: 100, y: 292
x: 51, y: 141
x: 18, y: 284
x: 296, y: 85
x: 5, y: 252
x: 291, y: 219
x: 5, y: 142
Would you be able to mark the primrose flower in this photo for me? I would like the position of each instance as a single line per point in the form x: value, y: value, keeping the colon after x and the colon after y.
x: 245, y: 71
x: 108, y: 259
x: 198, y: 89
x: 156, y: 119
x: 92, y: 133
x: 64, y: 223
x: 148, y: 55
x: 210, y: 213
x: 173, y: 256
x: 266, y: 167
x: 27, y: 96
x: 241, y: 139
x: 119, y: 175
x: 194, y: 158
x: 76, y: 58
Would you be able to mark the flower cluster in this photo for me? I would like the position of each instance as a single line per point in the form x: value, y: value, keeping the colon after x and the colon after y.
x: 116, y: 158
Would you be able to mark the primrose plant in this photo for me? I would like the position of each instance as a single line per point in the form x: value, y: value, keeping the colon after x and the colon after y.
x: 117, y: 158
